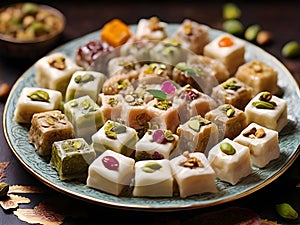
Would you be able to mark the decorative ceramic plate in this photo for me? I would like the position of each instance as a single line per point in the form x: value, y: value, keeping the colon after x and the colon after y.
x: 289, y: 140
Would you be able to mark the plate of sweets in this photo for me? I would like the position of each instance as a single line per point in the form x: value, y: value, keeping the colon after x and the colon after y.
x: 155, y: 116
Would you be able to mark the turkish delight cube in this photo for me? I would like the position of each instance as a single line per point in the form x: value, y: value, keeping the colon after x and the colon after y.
x: 48, y: 127
x: 262, y: 142
x: 156, y: 144
x: 34, y: 100
x: 267, y: 110
x: 111, y: 172
x: 85, y: 83
x: 230, y: 160
x: 234, y: 92
x: 111, y: 106
x: 230, y: 120
x: 54, y: 71
x: 153, y: 178
x: 151, y: 29
x: 192, y: 36
x: 198, y: 135
x: 227, y: 48
x: 116, y: 137
x: 193, y: 174
x: 258, y: 75
x: 85, y: 115
x: 71, y: 158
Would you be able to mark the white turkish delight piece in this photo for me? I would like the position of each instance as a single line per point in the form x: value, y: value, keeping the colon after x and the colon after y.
x: 230, y: 160
x: 54, y: 71
x: 116, y: 137
x: 156, y: 144
x: 111, y: 172
x: 152, y: 29
x: 85, y: 115
x: 267, y: 110
x: 85, y: 83
x: 193, y: 174
x: 153, y: 178
x: 227, y: 48
x: 33, y: 100
x: 262, y: 142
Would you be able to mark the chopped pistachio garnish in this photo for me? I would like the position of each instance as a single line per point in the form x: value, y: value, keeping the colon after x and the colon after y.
x: 227, y: 148
x: 285, y: 210
x: 122, y: 84
x: 4, y: 187
x: 58, y: 63
x: 111, y: 129
x: 151, y: 167
x: 231, y: 85
x: 163, y: 104
x: 39, y: 95
x: 169, y: 135
x: 264, y: 105
x: 171, y: 42
x: 112, y: 101
x: 265, y: 96
x: 189, y: 71
x: 228, y: 109
x: 73, y: 103
x: 84, y: 78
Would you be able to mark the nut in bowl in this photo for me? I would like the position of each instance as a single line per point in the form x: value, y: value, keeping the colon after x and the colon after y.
x: 29, y: 30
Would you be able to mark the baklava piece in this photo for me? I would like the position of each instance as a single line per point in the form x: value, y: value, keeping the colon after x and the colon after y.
x: 48, y: 127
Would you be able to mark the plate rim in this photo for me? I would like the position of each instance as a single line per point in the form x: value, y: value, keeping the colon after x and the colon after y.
x: 153, y: 207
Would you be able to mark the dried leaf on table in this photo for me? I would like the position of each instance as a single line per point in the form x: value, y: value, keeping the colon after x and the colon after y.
x: 39, y: 214
x: 3, y: 166
x: 13, y: 201
x: 25, y: 189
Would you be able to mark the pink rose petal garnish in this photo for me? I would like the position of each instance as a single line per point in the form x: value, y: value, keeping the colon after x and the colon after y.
x: 158, y: 136
x: 168, y: 87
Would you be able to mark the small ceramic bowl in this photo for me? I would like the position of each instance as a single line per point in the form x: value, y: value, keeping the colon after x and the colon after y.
x: 30, y: 43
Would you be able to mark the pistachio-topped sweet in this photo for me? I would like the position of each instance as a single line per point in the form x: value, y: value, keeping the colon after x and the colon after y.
x: 196, y: 123
x: 264, y: 101
x: 227, y: 148
x: 58, y: 63
x: 39, y: 95
x: 151, y: 167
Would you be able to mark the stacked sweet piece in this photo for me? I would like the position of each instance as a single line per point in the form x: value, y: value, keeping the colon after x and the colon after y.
x: 155, y: 114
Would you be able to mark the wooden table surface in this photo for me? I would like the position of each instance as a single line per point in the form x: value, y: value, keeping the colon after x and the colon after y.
x: 281, y: 19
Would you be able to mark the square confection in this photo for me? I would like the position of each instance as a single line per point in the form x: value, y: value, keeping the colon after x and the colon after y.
x: 134, y: 111
x: 116, y: 137
x: 123, y: 65
x: 230, y: 160
x: 193, y: 174
x: 198, y: 135
x: 85, y: 83
x: 54, y: 71
x: 48, y: 127
x: 267, y: 110
x: 234, y: 92
x: 164, y: 113
x: 153, y: 178
x: 230, y: 120
x: 259, y: 76
x: 151, y: 29
x: 71, y: 158
x: 193, y: 36
x: 227, y: 48
x: 156, y: 144
x: 85, y: 115
x: 196, y: 103
x: 34, y: 100
x: 111, y: 106
x: 111, y: 172
x: 262, y: 142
